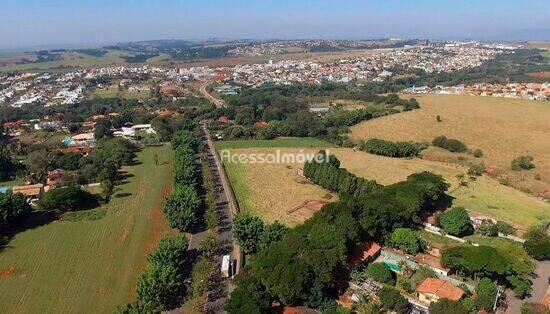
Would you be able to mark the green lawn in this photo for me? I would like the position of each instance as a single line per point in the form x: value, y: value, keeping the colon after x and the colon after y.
x: 89, y: 263
x: 305, y: 142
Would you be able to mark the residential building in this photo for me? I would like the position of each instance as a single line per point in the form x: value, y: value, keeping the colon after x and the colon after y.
x: 433, y: 289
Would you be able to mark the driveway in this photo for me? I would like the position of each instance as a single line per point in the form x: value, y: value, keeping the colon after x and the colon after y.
x: 540, y: 286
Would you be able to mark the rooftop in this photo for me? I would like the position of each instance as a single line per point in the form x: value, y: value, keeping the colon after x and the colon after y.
x: 441, y: 288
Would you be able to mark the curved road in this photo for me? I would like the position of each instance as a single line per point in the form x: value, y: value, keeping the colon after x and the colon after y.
x: 216, y: 101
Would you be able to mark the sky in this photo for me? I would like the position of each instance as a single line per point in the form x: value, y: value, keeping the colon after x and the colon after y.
x: 50, y: 22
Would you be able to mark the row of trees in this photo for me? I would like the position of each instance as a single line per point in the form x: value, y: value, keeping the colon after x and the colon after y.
x: 324, y: 170
x: 182, y: 207
x: 307, y: 266
x: 391, y: 149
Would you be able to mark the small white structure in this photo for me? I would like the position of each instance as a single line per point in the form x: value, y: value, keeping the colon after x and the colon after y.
x: 226, y: 266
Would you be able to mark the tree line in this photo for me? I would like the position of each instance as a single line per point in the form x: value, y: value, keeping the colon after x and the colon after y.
x: 391, y: 149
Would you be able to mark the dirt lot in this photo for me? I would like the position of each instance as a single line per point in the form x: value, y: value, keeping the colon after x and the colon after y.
x: 503, y: 128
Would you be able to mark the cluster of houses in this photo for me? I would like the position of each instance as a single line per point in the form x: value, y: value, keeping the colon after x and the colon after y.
x: 528, y: 91
x: 428, y: 291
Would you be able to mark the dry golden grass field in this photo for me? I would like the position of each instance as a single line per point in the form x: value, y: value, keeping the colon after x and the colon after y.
x: 503, y: 128
x: 271, y: 191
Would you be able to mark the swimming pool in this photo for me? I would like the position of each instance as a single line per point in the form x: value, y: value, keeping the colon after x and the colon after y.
x: 68, y: 141
x: 393, y: 266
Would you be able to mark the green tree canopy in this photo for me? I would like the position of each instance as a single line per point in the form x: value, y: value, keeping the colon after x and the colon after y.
x: 456, y: 222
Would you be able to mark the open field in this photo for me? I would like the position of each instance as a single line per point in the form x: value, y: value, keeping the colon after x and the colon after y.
x: 503, y: 128
x: 81, y: 265
x: 69, y: 60
x: 114, y: 92
x: 270, y: 190
x: 482, y: 196
x: 280, y: 142
x: 79, y: 60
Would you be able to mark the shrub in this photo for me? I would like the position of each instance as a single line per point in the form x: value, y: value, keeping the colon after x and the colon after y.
x: 452, y: 145
x: 456, y: 222
x: 381, y: 273
x: 486, y: 294
x: 523, y: 163
x: 476, y: 170
x: 445, y: 306
x: 488, y: 229
x: 478, y: 153
x: 247, y: 230
x: 505, y: 228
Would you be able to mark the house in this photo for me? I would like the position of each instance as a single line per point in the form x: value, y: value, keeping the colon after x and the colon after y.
x: 54, y: 178
x: 32, y: 193
x: 228, y: 89
x: 433, y: 289
x: 433, y: 263
x: 81, y: 150
x: 260, y: 124
x: 173, y: 91
x: 84, y: 139
x: 364, y: 252
x: 134, y: 131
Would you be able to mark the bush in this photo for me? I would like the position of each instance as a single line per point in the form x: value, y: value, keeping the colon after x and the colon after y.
x: 476, y: 170
x: 445, y: 306
x: 486, y: 294
x: 247, y: 230
x: 451, y: 145
x: 478, y: 153
x: 488, y: 229
x: 505, y: 228
x: 456, y: 222
x: 68, y: 199
x: 381, y: 273
x: 523, y: 163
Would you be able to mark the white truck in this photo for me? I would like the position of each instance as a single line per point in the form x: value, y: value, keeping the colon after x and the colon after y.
x: 226, y: 266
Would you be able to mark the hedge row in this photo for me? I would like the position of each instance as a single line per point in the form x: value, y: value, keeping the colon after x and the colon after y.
x: 391, y: 149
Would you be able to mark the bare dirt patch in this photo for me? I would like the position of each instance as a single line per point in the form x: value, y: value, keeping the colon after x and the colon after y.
x: 9, y: 272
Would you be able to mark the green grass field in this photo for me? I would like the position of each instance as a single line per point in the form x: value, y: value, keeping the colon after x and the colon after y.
x: 306, y: 142
x: 90, y: 263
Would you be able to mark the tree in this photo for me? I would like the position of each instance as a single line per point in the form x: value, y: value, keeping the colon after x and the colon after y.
x: 209, y: 243
x: 171, y: 250
x: 456, y: 222
x: 272, y: 233
x: 13, y: 208
x: 523, y: 163
x: 250, y: 296
x: 67, y: 199
x: 537, y: 241
x: 446, y: 306
x: 392, y: 300
x: 406, y: 240
x: 247, y: 230
x: 102, y: 129
x: 161, y: 286
x: 381, y: 273
x: 486, y: 294
x: 182, y: 207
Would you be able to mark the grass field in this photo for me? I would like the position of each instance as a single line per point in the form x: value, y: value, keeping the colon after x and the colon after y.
x: 503, y: 128
x: 90, y: 266
x: 271, y: 190
x: 483, y: 196
x: 280, y: 142
x: 70, y: 60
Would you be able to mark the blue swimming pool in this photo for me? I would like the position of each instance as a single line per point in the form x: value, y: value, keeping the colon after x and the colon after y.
x: 68, y: 141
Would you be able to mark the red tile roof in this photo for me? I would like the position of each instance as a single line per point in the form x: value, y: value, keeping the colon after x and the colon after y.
x: 362, y: 252
x: 441, y: 288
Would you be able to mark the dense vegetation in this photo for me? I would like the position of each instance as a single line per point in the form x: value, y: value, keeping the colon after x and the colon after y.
x: 485, y: 261
x: 452, y: 145
x: 307, y: 265
x: 13, y: 208
x: 391, y: 149
x: 537, y: 241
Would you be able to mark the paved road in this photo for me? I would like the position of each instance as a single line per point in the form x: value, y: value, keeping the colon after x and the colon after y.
x: 220, y: 286
x: 216, y: 101
x: 540, y: 286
